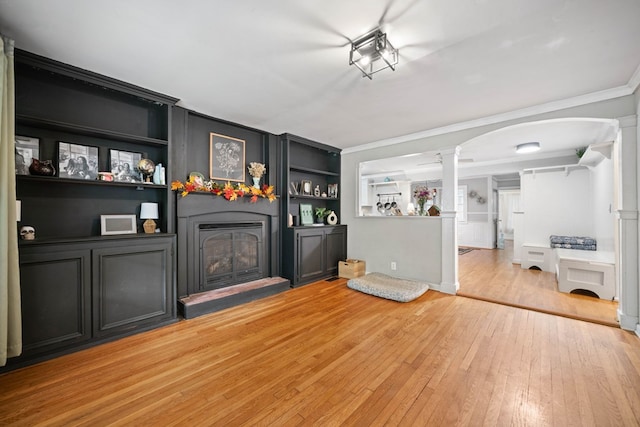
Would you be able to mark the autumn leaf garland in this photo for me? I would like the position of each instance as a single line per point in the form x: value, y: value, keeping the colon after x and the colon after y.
x: 227, y: 190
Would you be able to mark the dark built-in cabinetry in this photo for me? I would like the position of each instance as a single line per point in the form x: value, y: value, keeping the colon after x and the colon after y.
x: 78, y: 293
x: 58, y: 103
x: 79, y: 287
x: 310, y: 252
x: 315, y: 252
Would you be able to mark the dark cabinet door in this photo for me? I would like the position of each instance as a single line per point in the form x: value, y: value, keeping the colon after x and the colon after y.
x: 336, y: 248
x: 318, y: 250
x: 56, y: 299
x: 132, y: 287
x: 311, y: 255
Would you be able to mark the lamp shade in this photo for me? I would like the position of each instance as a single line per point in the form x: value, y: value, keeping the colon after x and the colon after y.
x: 149, y: 211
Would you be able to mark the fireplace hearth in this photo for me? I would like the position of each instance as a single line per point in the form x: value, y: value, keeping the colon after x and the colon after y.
x: 226, y: 250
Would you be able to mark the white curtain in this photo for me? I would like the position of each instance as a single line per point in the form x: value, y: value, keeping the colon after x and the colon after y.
x: 10, y: 316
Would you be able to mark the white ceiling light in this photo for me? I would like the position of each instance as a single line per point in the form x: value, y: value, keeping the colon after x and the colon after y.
x: 372, y: 53
x: 527, y: 147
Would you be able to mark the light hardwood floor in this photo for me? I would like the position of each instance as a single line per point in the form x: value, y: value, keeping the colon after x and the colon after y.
x: 490, y: 274
x: 323, y: 354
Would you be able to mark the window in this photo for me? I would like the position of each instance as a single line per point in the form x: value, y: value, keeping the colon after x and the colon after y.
x: 461, y: 203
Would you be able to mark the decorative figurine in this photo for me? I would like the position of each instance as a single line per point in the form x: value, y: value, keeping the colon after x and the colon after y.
x: 27, y: 232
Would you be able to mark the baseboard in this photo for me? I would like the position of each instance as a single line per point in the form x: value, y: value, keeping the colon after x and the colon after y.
x: 628, y: 323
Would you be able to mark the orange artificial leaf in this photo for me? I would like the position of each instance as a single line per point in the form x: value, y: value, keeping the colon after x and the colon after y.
x: 229, y: 194
x: 254, y: 198
x: 176, y: 185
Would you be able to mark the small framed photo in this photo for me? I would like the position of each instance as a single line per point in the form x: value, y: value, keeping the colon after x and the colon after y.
x: 306, y: 188
x: 306, y: 214
x: 226, y: 158
x: 77, y: 161
x: 332, y: 190
x: 124, y: 166
x: 27, y: 149
x: 117, y: 224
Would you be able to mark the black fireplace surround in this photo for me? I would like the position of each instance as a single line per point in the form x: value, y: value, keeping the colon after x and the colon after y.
x: 222, y: 243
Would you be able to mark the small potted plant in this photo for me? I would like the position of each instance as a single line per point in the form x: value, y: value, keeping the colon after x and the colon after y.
x: 321, y: 213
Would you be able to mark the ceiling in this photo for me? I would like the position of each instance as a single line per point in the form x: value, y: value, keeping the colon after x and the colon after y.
x: 282, y: 65
x: 494, y: 153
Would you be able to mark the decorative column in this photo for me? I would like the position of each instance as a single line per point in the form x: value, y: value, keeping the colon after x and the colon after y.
x: 626, y: 161
x: 449, y: 217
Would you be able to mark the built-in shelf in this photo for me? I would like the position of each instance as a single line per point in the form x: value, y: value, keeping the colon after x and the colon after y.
x: 302, y: 196
x: 377, y: 184
x: 87, y: 131
x: 596, y: 153
x: 567, y: 169
x: 55, y: 179
x: 314, y: 171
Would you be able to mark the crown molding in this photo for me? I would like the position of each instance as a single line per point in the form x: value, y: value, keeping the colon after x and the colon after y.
x: 634, y: 81
x: 562, y: 104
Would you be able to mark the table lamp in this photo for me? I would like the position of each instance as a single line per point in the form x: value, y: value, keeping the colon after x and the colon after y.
x: 149, y: 211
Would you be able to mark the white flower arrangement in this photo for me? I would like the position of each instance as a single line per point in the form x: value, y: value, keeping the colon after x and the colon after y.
x: 256, y: 169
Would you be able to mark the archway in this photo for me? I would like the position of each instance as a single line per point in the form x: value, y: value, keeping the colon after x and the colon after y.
x: 493, y: 154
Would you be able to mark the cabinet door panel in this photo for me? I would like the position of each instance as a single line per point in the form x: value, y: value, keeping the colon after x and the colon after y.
x: 310, y: 255
x: 336, y: 250
x: 132, y: 287
x: 55, y: 299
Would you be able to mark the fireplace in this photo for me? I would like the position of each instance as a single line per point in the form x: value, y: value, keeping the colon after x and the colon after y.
x: 224, y: 243
x: 231, y: 254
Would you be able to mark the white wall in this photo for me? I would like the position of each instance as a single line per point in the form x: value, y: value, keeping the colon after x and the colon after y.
x: 577, y: 203
x: 478, y: 230
x: 556, y: 202
x: 412, y: 242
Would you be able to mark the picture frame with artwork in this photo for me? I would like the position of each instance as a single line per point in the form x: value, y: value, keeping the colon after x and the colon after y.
x: 226, y: 158
x: 77, y: 161
x: 27, y: 148
x: 306, y: 214
x: 117, y: 224
x: 305, y: 188
x: 124, y: 166
x: 332, y: 191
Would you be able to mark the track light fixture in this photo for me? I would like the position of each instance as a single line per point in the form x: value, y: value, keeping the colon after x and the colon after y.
x: 372, y: 53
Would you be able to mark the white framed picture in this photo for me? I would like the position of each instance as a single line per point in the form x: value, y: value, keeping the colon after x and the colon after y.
x: 77, y: 161
x: 124, y: 165
x: 117, y: 224
x: 27, y: 149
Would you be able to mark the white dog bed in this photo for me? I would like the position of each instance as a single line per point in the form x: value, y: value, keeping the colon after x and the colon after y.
x: 388, y: 287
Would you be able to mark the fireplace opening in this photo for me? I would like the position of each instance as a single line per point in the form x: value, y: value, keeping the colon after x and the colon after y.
x: 231, y: 253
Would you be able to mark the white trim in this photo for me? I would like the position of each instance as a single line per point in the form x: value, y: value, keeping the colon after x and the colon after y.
x: 634, y: 81
x: 562, y: 104
x: 628, y: 323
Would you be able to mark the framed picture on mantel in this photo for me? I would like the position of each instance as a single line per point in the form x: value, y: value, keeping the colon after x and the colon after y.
x: 226, y: 158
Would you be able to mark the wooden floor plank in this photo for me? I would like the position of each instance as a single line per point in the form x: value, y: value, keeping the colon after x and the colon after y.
x: 325, y: 354
x: 490, y: 275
